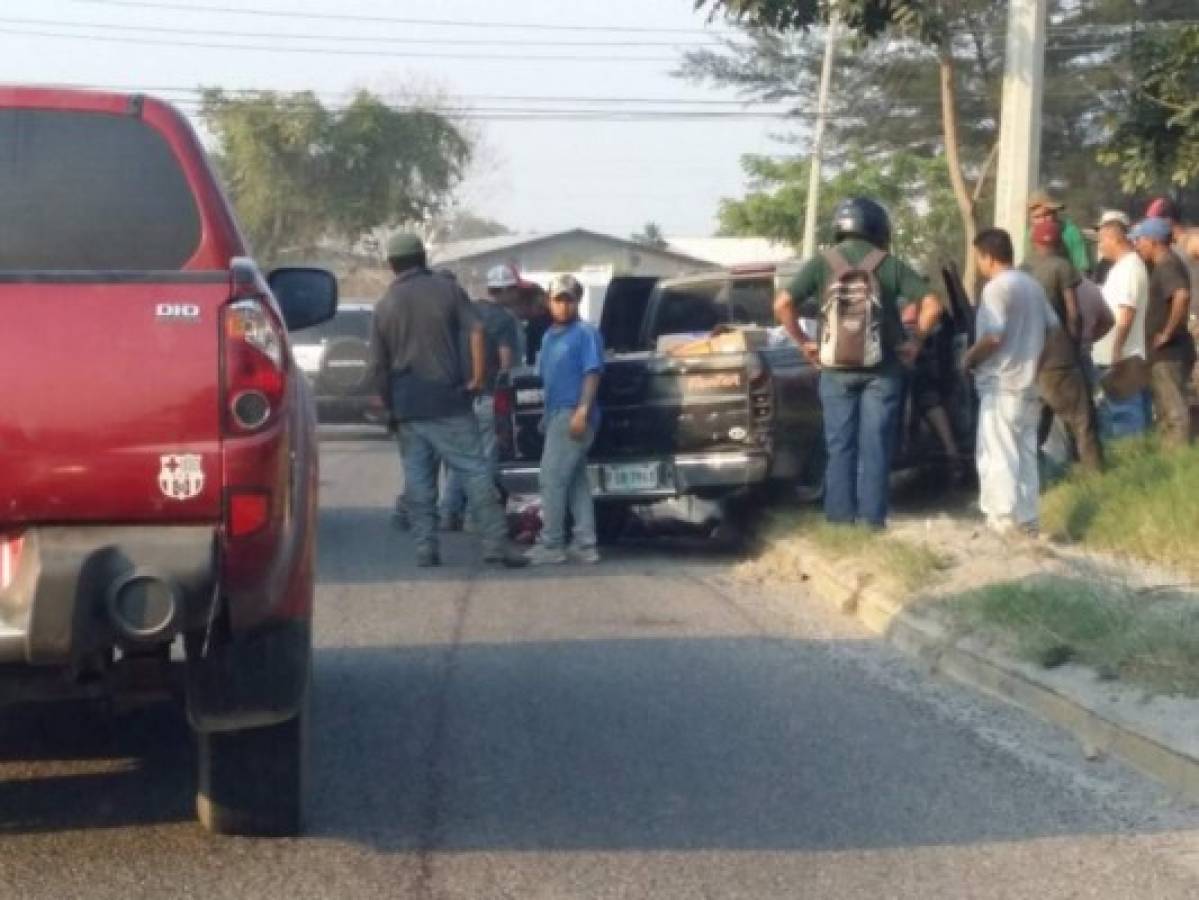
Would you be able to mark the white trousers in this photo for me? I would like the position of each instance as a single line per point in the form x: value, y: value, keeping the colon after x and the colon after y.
x: 1007, y: 458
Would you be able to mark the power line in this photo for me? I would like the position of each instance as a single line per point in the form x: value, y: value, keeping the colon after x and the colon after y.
x: 337, y: 51
x: 1063, y: 28
x: 465, y: 98
x: 468, y: 104
x: 384, y: 39
x: 350, y: 17
x: 501, y: 114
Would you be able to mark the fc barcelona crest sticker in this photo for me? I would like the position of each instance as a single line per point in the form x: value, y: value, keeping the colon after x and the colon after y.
x: 181, y: 476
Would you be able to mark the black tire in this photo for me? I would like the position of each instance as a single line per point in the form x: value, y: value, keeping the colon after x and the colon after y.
x: 252, y: 782
x: 611, y: 519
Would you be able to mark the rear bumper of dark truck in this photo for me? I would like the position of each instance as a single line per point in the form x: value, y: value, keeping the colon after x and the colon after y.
x: 680, y: 475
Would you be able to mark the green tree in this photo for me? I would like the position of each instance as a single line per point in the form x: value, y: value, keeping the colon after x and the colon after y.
x: 914, y: 187
x: 929, y: 82
x: 651, y: 235
x: 299, y: 172
x: 926, y: 23
x: 1157, y: 136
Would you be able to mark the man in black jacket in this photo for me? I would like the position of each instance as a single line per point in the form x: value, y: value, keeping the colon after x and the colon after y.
x: 418, y: 370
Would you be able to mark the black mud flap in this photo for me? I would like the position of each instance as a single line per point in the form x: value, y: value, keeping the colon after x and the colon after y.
x: 251, y: 680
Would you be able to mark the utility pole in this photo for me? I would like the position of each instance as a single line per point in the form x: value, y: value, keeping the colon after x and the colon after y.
x: 1020, y: 122
x: 817, y: 157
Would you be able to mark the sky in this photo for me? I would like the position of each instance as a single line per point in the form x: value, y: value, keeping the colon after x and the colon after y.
x: 610, y: 176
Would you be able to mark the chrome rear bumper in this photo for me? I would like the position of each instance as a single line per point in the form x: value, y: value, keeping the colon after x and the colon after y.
x: 678, y: 475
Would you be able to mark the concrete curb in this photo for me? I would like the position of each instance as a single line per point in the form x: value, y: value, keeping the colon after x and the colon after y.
x: 970, y: 663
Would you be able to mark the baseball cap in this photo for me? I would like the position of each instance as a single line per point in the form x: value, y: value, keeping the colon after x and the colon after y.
x: 1155, y: 229
x: 566, y: 284
x: 1046, y: 233
x: 1162, y: 208
x: 504, y: 276
x: 404, y: 244
x: 1042, y: 198
x: 1110, y: 216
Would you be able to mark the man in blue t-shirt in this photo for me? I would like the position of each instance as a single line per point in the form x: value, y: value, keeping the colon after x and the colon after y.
x: 571, y: 362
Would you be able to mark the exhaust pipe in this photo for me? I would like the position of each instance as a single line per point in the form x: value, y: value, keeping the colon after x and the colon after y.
x: 144, y: 606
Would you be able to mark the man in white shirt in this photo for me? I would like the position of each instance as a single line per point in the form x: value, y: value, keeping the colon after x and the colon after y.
x: 1126, y: 291
x: 1014, y: 319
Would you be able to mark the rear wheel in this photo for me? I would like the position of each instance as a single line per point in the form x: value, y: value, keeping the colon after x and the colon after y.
x: 611, y: 519
x: 252, y: 781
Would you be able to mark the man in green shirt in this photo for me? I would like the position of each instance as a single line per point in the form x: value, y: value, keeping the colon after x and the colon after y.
x: 861, y: 405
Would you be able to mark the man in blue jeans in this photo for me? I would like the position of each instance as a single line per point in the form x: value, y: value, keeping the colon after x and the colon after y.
x: 501, y: 347
x: 418, y: 370
x: 861, y: 404
x: 571, y: 362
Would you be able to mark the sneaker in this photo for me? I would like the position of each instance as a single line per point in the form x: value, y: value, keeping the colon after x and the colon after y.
x: 508, y: 558
x: 585, y: 555
x: 427, y: 559
x: 545, y: 556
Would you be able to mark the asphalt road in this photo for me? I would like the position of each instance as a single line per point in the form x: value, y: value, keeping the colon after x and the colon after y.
x: 645, y: 728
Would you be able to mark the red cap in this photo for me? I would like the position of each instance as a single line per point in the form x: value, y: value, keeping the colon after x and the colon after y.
x: 1162, y: 208
x: 1047, y: 233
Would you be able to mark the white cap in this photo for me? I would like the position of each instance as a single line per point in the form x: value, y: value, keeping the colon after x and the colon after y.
x: 504, y: 276
x: 568, y: 285
x: 1115, y: 215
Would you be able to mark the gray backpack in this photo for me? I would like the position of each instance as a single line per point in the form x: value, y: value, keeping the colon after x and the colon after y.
x: 851, y: 332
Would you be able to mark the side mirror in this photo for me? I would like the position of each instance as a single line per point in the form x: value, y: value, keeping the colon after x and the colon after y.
x: 306, y: 296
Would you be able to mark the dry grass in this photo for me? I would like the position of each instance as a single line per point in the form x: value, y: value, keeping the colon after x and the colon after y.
x: 790, y: 539
x: 1145, y: 506
x: 1148, y: 640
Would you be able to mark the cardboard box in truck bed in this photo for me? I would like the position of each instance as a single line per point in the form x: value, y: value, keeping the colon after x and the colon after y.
x: 732, y: 340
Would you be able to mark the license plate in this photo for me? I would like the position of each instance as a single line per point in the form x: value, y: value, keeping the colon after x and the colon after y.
x: 631, y: 478
x: 530, y: 397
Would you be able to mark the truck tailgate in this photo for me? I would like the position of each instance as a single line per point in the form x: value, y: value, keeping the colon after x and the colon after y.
x: 109, y: 398
x: 655, y: 405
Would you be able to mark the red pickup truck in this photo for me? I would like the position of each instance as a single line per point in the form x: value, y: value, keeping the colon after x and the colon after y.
x: 158, y: 457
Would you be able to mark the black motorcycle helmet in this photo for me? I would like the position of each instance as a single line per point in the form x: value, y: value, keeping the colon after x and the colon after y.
x: 861, y: 217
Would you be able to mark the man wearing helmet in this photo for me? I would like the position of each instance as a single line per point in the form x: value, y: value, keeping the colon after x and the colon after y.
x: 861, y: 402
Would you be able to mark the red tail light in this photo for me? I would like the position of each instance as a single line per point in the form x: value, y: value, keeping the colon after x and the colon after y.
x: 503, y: 402
x: 249, y: 511
x: 10, y: 558
x: 255, y: 377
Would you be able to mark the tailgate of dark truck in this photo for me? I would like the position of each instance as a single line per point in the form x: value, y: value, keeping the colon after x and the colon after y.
x: 705, y: 425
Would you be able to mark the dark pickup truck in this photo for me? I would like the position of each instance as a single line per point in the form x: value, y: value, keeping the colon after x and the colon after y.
x: 719, y: 426
x: 715, y: 426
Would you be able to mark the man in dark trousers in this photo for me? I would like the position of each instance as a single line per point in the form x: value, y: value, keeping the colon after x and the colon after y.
x: 502, y: 345
x: 418, y: 370
x: 861, y: 399
x: 1171, y: 347
x: 1062, y: 381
